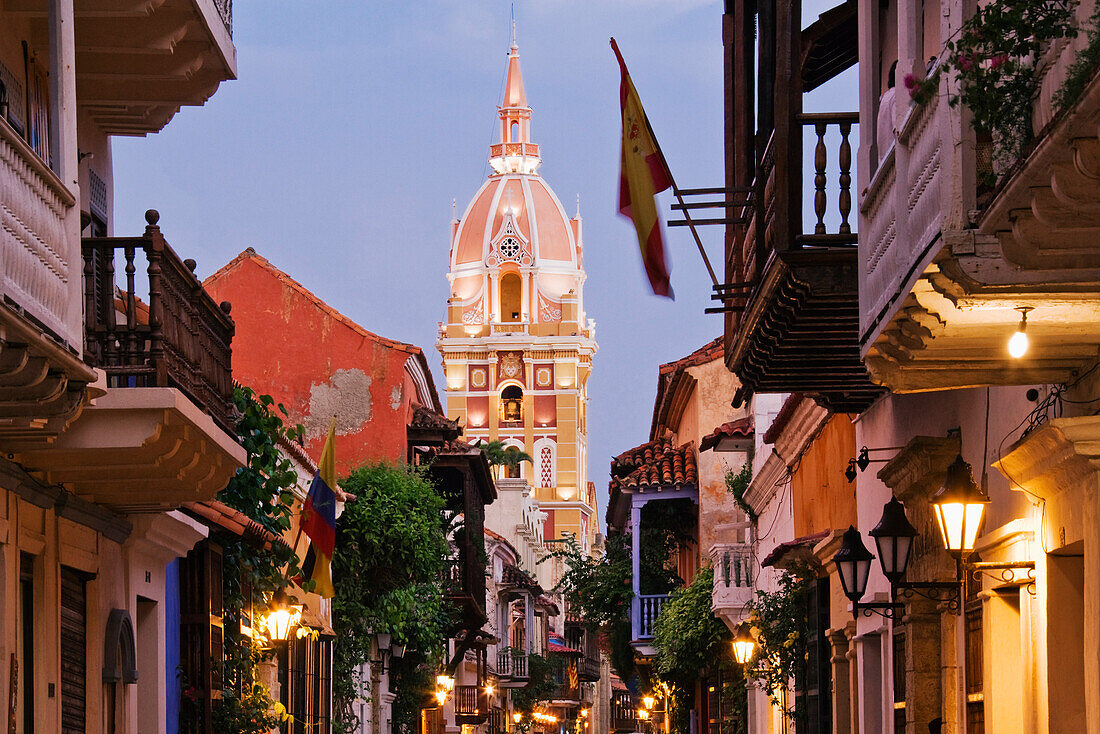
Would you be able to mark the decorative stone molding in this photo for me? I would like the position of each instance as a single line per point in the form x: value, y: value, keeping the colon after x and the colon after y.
x: 806, y: 421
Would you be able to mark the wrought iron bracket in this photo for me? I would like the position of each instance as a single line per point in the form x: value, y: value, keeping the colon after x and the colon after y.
x: 1006, y: 572
x: 885, y: 609
x: 946, y: 592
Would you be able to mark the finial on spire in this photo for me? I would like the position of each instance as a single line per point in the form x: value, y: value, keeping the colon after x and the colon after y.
x: 514, y: 26
x: 578, y: 206
x: 454, y: 210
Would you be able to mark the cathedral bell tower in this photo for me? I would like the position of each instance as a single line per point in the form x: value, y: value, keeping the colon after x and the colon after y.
x: 516, y: 345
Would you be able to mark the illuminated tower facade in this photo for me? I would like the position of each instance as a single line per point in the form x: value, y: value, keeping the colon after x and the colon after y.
x: 517, y: 347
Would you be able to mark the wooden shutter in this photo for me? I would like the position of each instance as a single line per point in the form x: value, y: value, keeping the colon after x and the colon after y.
x: 813, y: 689
x: 201, y: 630
x: 74, y: 653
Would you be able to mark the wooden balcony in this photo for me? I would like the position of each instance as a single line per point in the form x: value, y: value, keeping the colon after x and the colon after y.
x: 472, y: 705
x: 646, y: 609
x: 180, y: 339
x: 512, y: 668
x: 138, y: 61
x: 792, y: 297
x: 944, y: 270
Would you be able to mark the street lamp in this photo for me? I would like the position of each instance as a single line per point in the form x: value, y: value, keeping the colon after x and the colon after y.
x: 648, y: 702
x: 894, y: 539
x: 446, y: 682
x: 744, y: 645
x: 960, y: 508
x: 281, y: 617
x: 853, y: 563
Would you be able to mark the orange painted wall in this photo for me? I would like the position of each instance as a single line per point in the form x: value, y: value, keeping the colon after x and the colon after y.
x: 822, y: 497
x: 290, y: 347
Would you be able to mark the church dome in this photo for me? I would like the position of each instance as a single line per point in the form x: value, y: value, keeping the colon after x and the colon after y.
x: 515, y: 221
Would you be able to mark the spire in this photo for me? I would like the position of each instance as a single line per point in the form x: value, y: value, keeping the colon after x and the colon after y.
x: 515, y: 153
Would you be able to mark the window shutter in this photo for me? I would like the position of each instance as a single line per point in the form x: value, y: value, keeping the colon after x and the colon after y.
x: 74, y: 651
x: 201, y: 631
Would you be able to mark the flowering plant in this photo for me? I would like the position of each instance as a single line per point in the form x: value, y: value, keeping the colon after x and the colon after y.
x: 992, y: 59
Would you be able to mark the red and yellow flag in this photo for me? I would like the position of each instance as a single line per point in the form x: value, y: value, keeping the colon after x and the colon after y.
x: 643, y: 175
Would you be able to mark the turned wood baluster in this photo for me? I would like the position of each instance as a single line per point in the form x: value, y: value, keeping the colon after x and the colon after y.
x: 820, y: 158
x: 153, y: 252
x: 110, y: 346
x: 91, y: 315
x: 131, y: 308
x: 845, y: 177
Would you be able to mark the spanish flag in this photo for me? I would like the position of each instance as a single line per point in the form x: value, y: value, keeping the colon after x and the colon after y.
x: 318, y: 520
x: 643, y: 174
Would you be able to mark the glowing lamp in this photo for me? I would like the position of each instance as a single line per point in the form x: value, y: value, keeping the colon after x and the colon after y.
x: 643, y: 714
x: 853, y: 563
x: 441, y: 696
x: 473, y: 329
x: 744, y: 645
x: 446, y: 682
x: 489, y: 689
x: 1018, y: 343
x: 960, y: 508
x: 566, y: 492
x: 584, y: 713
x: 894, y: 538
x: 281, y: 617
x: 648, y: 701
x: 517, y: 717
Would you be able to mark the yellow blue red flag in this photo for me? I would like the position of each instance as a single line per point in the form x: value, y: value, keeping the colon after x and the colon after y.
x: 318, y: 520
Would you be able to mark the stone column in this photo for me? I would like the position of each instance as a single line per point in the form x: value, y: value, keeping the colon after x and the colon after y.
x: 923, y: 690
x: 853, y: 678
x: 842, y: 689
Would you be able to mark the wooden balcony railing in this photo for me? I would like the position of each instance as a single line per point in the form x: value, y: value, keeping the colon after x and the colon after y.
x: 471, y: 704
x: 512, y: 663
x: 832, y: 224
x: 649, y: 608
x: 181, y: 338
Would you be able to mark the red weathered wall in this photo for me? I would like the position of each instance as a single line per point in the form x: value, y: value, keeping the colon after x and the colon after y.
x: 317, y: 363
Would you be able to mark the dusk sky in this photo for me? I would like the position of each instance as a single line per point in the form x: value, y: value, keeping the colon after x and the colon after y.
x: 352, y: 126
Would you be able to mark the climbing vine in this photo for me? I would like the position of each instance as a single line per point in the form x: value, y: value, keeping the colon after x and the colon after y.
x: 782, y: 633
x: 689, y: 641
x: 737, y: 483
x: 542, y: 685
x: 252, y: 572
x: 391, y: 552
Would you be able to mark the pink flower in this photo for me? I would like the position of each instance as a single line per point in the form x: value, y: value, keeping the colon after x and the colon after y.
x: 998, y: 60
x: 910, y: 82
x: 966, y: 62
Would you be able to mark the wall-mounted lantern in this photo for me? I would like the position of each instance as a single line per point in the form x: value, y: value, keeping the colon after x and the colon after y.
x: 282, y: 616
x: 744, y: 644
x: 959, y: 506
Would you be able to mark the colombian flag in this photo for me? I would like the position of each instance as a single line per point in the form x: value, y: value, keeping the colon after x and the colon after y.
x: 318, y: 520
x: 643, y: 175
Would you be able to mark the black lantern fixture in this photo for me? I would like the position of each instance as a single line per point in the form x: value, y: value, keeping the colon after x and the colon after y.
x: 853, y: 562
x: 894, y: 539
x: 850, y: 472
x: 960, y: 509
x: 744, y: 644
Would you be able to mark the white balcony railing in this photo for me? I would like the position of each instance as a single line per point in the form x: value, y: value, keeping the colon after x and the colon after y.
x: 39, y: 260
x: 733, y: 576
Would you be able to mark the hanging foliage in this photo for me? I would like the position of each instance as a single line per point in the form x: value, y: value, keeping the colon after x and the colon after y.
x: 391, y: 552
x: 690, y: 642
x: 782, y: 634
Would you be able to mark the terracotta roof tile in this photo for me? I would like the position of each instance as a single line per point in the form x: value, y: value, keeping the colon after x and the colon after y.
x: 215, y: 513
x: 429, y: 419
x: 740, y: 428
x: 780, y: 551
x: 655, y: 464
x: 513, y: 575
x: 709, y: 352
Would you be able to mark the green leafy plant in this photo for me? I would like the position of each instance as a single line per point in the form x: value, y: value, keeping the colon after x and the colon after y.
x: 1083, y: 68
x: 500, y: 455
x: 993, y: 58
x: 689, y: 641
x: 737, y: 483
x: 782, y: 633
x: 251, y: 573
x: 388, y: 569
x: 542, y: 685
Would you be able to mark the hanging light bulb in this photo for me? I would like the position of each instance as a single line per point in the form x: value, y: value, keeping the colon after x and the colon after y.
x: 1018, y: 344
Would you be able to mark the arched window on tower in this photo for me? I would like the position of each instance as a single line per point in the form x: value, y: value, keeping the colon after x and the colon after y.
x: 511, y: 297
x: 514, y: 132
x: 511, y: 404
x: 545, y: 463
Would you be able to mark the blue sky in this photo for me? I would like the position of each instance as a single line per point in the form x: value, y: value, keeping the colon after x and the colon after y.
x: 353, y: 125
